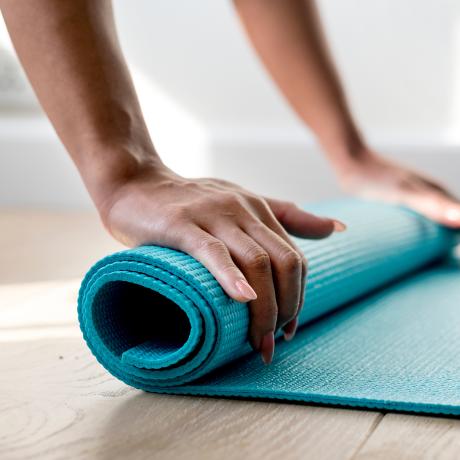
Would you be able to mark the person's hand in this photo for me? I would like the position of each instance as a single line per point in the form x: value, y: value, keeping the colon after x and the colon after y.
x: 371, y: 176
x: 241, y: 238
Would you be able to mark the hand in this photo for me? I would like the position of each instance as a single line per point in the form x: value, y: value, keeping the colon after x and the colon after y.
x: 241, y: 238
x: 374, y: 177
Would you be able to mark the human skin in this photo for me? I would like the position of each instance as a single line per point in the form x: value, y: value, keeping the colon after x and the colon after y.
x: 70, y: 52
x: 72, y: 57
x: 289, y: 39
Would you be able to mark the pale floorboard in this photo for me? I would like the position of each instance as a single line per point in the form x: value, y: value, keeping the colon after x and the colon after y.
x: 57, y: 402
x: 413, y: 437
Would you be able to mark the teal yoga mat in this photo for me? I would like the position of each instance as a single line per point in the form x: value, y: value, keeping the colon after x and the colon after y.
x: 380, y: 327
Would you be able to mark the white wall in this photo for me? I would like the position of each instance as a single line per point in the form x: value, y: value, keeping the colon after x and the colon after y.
x: 400, y: 61
x: 211, y: 107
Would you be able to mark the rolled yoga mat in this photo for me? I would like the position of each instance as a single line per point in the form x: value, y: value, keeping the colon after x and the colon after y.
x: 380, y: 327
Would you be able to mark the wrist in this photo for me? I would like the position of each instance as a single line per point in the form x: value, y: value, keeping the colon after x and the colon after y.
x: 346, y: 153
x: 107, y: 169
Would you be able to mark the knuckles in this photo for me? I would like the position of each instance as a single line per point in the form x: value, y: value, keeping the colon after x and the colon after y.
x: 209, y: 245
x: 228, y: 200
x: 291, y: 261
x: 257, y: 259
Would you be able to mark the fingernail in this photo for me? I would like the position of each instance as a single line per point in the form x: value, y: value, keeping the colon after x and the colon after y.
x: 290, y: 329
x: 246, y: 291
x: 339, y: 226
x: 453, y: 215
x: 267, y: 347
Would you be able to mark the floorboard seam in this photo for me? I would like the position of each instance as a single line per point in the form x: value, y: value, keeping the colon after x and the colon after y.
x: 369, y: 434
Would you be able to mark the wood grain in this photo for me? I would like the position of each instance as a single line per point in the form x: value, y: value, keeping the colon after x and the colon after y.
x: 57, y: 402
x: 413, y: 437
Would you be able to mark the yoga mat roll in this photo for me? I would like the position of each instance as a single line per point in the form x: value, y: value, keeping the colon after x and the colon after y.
x: 157, y: 319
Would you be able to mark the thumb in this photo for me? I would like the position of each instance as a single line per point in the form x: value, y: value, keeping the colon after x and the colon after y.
x: 301, y: 223
x: 452, y: 215
x: 444, y: 209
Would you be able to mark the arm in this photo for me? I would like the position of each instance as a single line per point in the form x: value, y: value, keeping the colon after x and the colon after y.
x: 288, y: 37
x: 71, y: 54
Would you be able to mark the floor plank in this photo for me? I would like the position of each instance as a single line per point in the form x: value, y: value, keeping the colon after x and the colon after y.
x: 413, y: 437
x: 57, y: 402
x: 50, y: 246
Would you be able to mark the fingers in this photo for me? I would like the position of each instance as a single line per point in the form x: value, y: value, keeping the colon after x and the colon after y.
x: 263, y: 263
x: 266, y: 214
x: 256, y: 264
x: 268, y: 217
x: 253, y: 258
x: 214, y: 255
x: 444, y: 210
x: 303, y: 224
x: 291, y: 327
x: 441, y: 211
x: 452, y: 216
x: 274, y: 267
x: 434, y: 203
x: 286, y: 265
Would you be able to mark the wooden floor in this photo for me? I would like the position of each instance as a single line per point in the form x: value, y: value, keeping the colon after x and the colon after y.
x: 57, y: 402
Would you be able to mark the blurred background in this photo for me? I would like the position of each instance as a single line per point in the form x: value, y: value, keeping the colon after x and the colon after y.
x: 212, y: 111
x: 210, y: 107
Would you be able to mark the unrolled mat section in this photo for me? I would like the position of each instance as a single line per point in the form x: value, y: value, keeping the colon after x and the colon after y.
x: 157, y: 319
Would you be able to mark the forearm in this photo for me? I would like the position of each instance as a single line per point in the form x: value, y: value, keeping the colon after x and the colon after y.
x: 71, y: 54
x: 288, y: 37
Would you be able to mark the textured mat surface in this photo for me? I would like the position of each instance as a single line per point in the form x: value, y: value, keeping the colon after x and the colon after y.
x: 157, y: 319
